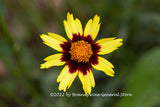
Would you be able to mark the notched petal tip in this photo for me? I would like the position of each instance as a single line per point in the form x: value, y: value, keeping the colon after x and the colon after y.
x: 61, y: 88
x: 96, y: 17
x: 42, y: 66
x: 111, y: 74
x: 87, y: 93
x: 119, y: 39
x: 92, y: 27
x: 67, y: 29
x: 120, y: 42
x: 108, y: 45
x: 52, y: 60
x: 58, y: 79
x: 70, y: 16
x: 68, y: 13
x: 87, y: 82
x: 65, y: 78
x: 105, y: 66
x: 42, y: 36
x: 64, y: 21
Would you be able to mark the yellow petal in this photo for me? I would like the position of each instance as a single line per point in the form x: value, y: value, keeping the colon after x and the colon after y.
x: 87, y: 27
x: 74, y: 75
x: 79, y: 26
x: 87, y: 81
x: 53, y: 60
x: 67, y: 29
x: 91, y: 77
x: 53, y: 41
x: 105, y: 66
x: 92, y: 27
x: 56, y: 36
x: 108, y: 45
x: 71, y: 23
x: 66, y: 78
x: 72, y: 26
x: 95, y: 26
x: 62, y: 74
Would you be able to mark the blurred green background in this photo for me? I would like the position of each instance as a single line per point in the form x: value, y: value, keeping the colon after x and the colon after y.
x: 137, y: 62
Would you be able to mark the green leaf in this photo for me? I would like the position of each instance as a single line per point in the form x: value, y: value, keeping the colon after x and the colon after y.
x: 143, y: 83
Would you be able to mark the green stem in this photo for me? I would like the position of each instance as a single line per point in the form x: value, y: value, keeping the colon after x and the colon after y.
x: 87, y: 101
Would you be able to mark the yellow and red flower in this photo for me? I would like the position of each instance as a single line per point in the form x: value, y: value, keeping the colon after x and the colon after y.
x: 80, y: 53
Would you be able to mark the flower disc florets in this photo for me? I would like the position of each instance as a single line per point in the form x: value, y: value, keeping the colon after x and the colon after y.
x: 81, y: 51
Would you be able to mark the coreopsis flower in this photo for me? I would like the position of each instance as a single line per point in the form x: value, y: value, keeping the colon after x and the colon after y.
x: 80, y: 53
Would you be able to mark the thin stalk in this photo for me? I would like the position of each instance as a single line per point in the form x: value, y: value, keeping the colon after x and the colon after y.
x: 87, y: 101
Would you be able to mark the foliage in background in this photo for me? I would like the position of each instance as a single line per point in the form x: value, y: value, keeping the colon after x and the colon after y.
x: 23, y: 84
